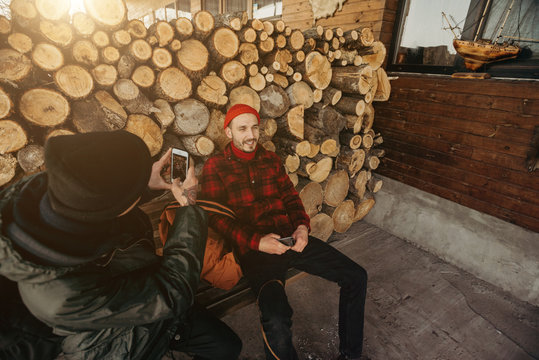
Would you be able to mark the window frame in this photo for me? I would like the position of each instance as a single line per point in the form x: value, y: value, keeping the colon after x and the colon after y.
x: 515, y: 68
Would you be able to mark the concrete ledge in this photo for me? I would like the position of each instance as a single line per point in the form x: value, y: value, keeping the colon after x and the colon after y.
x: 496, y: 251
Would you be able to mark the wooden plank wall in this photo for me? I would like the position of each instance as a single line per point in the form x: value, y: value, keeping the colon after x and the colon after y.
x: 464, y: 140
x: 376, y: 14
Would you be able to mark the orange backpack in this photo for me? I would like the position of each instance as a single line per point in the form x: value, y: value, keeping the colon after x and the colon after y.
x: 220, y: 268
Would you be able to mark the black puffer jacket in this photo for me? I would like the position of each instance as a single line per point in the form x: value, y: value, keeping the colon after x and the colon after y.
x: 126, y: 306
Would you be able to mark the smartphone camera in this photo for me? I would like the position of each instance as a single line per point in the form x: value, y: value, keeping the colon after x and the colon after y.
x: 179, y: 164
x: 288, y: 241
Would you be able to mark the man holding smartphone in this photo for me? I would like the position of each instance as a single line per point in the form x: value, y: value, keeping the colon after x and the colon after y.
x: 83, y: 256
x: 252, y: 182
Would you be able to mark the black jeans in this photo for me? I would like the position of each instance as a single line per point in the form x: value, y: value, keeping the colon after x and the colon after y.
x: 266, y: 275
x: 204, y: 336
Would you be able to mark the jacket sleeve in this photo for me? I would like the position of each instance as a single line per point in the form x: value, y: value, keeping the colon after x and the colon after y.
x: 292, y: 201
x: 213, y: 188
x: 127, y: 292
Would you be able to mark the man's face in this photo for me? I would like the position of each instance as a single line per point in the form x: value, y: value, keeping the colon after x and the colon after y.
x: 243, y: 130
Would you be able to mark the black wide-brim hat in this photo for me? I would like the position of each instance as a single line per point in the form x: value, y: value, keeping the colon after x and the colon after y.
x: 96, y: 176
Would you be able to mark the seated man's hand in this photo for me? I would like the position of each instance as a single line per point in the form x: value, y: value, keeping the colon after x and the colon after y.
x: 301, y: 235
x: 186, y: 192
x: 269, y: 244
x: 160, y: 168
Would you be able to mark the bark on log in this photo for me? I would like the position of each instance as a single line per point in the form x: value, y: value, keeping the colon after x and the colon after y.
x: 198, y: 145
x: 8, y: 167
x: 274, y: 102
x: 291, y: 146
x: 12, y: 137
x: 100, y: 112
x: 326, y: 118
x: 126, y: 65
x: 350, y: 160
x: 374, y: 184
x: 192, y: 117
x: 351, y: 105
x: 164, y: 113
x: 358, y: 184
x: 212, y: 90
x: 215, y: 131
x: 173, y: 85
x: 311, y: 195
x: 16, y: 67
x: 137, y: 29
x: 74, y: 81
x: 368, y: 118
x: 353, y: 79
x: 331, y: 96
x: 145, y: 128
x: 291, y: 124
x: 31, y: 158
x: 375, y: 55
x: 163, y: 31
x: 130, y: 96
x: 353, y: 141
x: 300, y: 93
x: 235, y: 20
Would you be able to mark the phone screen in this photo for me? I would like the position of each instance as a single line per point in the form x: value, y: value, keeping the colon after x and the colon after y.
x: 179, y: 167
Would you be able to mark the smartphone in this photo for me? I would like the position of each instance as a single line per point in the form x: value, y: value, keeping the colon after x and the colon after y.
x: 288, y: 241
x: 179, y: 164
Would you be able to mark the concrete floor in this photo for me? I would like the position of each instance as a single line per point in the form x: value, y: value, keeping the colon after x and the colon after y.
x: 418, y: 307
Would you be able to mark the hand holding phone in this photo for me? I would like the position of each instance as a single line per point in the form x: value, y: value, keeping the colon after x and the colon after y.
x: 179, y: 164
x: 288, y: 241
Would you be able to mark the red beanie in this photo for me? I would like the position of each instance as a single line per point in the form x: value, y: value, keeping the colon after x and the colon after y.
x: 239, y: 109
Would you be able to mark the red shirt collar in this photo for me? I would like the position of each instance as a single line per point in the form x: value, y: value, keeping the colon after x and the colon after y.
x: 242, y: 154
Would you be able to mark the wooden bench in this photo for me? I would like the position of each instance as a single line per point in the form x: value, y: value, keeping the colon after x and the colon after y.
x: 218, y: 301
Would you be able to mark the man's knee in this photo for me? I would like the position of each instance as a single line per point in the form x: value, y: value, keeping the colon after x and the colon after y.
x: 276, y: 312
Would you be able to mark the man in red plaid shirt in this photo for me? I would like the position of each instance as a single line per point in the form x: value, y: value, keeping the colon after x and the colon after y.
x: 252, y: 182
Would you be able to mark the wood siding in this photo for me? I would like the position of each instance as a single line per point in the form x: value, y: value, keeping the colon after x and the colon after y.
x: 376, y: 14
x: 464, y: 140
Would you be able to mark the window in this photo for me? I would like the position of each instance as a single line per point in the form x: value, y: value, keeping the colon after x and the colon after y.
x: 425, y: 30
x: 267, y: 8
x: 212, y: 6
x: 235, y: 5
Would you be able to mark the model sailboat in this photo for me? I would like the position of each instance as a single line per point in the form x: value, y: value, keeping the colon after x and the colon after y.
x: 476, y: 53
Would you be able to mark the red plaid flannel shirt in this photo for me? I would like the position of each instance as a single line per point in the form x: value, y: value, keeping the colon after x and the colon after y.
x: 260, y: 193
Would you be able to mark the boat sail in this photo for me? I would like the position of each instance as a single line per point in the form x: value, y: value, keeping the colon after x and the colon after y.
x: 477, y: 53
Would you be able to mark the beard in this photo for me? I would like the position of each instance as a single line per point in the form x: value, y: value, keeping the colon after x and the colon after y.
x: 245, y: 146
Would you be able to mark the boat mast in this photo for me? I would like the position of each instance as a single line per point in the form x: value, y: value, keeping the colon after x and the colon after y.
x: 504, y: 21
x: 481, y: 22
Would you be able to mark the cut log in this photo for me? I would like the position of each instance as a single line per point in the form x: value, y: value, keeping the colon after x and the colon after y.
x: 268, y: 128
x: 350, y: 160
x: 293, y: 178
x: 315, y: 32
x: 184, y: 28
x: 192, y: 117
x: 351, y: 105
x: 57, y: 132
x: 143, y: 77
x: 137, y: 29
x: 244, y: 95
x: 105, y: 75
x: 256, y: 24
x: 367, y: 142
x: 120, y: 38
x: 212, y: 90
x: 252, y: 69
x: 280, y: 41
x: 173, y: 85
x: 47, y: 57
x: 5, y: 25
x: 12, y: 137
x: 322, y: 169
x: 358, y: 184
x: 343, y: 215
x: 280, y: 80
x: 269, y: 28
x: 247, y: 35
x: 100, y: 112
x: 300, y: 93
x: 280, y: 26
x: 85, y: 52
x: 83, y: 24
x: 74, y: 81
x: 215, y: 131
x: 31, y: 158
x: 330, y: 147
x: 161, y: 58
x: 291, y: 146
x: 126, y: 65
x: 266, y: 46
x: 384, y: 86
x: 316, y: 70
x: 23, y: 13
x: 336, y: 188
x: 331, y: 96
x: 263, y: 36
x: 193, y: 59
x: 296, y: 40
x: 20, y: 42
x: 375, y: 55
x: 372, y: 162
x: 291, y: 162
x: 233, y: 73
x: 59, y: 34
x: 53, y: 10
x: 235, y: 20
x: 110, y: 14
x: 16, y: 67
x: 274, y: 102
x: 353, y: 79
x: 325, y: 118
x: 165, y: 115
x: 375, y: 184
x: 363, y: 206
x: 257, y: 82
x: 146, y: 129
x: 8, y: 168
x: 311, y: 195
x: 313, y: 134
x: 321, y: 226
x: 198, y: 145
x: 353, y: 141
x: 110, y: 55
x: 203, y: 24
x: 6, y: 104
x: 175, y: 45
x: 163, y: 31
x: 291, y: 124
x: 223, y: 45
x: 140, y: 50
x: 248, y: 53
x: 315, y: 150
x: 100, y: 38
x: 283, y: 57
x: 268, y: 145
x: 130, y: 96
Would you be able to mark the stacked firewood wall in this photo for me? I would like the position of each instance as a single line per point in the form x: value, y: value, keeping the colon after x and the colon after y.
x: 172, y: 83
